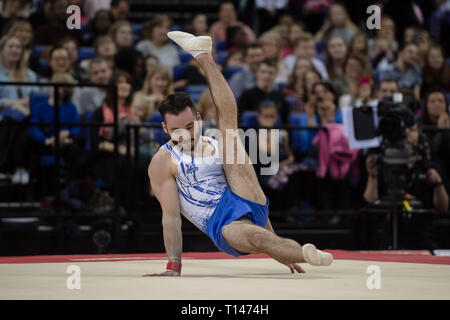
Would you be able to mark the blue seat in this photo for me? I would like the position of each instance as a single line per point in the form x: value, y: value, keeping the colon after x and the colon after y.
x: 321, y: 47
x: 175, y: 27
x: 196, y: 89
x: 298, y: 137
x: 280, y: 86
x: 36, y: 51
x: 38, y: 97
x: 221, y: 45
x: 229, y: 71
x: 185, y: 57
x: 178, y: 71
x: 136, y: 27
x: 43, y: 63
x: 221, y: 56
x: 86, y: 53
x: 160, y: 136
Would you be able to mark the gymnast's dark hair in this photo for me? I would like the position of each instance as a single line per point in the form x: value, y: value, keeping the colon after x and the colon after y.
x: 176, y: 103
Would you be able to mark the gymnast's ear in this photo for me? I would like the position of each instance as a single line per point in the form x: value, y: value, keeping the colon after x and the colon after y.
x: 163, y: 125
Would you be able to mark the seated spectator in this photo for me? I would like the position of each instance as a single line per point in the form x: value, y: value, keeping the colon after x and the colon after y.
x: 23, y: 30
x: 335, y: 55
x: 227, y: 18
x: 436, y: 72
x: 207, y: 110
x: 150, y: 62
x: 295, y: 85
x: 200, y: 25
x: 364, y: 95
x: 55, y: 27
x: 104, y: 48
x: 338, y: 24
x: 10, y: 9
x: 234, y: 59
x: 305, y: 48
x: 120, y: 9
x: 158, y: 44
x: 58, y: 62
x: 354, y: 68
x: 99, y: 25
x: 72, y: 46
x: 274, y: 184
x: 122, y: 34
x: 236, y: 39
x: 92, y: 7
x: 157, y: 85
x: 102, y: 159
x: 359, y: 45
x: 246, y: 78
x: 294, y: 33
x: 406, y: 69
x: 387, y: 88
x: 192, y: 75
x: 88, y: 99
x: 71, y: 144
x: 309, y: 78
x: 273, y: 49
x: 102, y: 138
x: 265, y: 79
x: 384, y: 45
x: 424, y: 42
x: 130, y: 60
x: 13, y: 67
x: 436, y: 114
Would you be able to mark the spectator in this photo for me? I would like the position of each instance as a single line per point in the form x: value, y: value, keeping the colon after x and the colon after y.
x: 69, y: 136
x: 354, y: 68
x: 424, y: 42
x: 305, y: 48
x: 265, y: 79
x: 246, y: 78
x: 23, y: 30
x: 130, y: 60
x: 120, y: 9
x: 72, y: 46
x: 102, y: 160
x: 406, y: 69
x: 387, y: 88
x: 384, y: 45
x: 335, y: 55
x: 228, y: 17
x: 58, y: 62
x: 269, y: 12
x: 122, y: 34
x: 88, y: 99
x: 200, y: 25
x: 42, y: 13
x: 436, y: 72
x: 13, y: 67
x: 309, y: 78
x: 436, y: 114
x: 236, y: 39
x: 207, y: 110
x: 192, y: 75
x: 92, y: 7
x: 294, y: 33
x: 157, y: 85
x: 158, y: 44
x: 106, y: 48
x: 150, y: 62
x: 411, y: 15
x: 295, y: 85
x: 99, y: 25
x: 359, y: 45
x: 338, y: 24
x: 10, y: 9
x: 363, y: 96
x: 273, y: 50
x: 234, y: 59
x: 55, y: 27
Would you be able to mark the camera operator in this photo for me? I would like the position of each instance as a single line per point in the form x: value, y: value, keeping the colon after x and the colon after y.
x: 425, y: 181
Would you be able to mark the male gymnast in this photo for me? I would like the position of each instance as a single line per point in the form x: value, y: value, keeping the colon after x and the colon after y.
x: 191, y: 175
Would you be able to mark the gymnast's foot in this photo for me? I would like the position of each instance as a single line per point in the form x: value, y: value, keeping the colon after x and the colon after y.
x: 190, y: 43
x: 316, y: 257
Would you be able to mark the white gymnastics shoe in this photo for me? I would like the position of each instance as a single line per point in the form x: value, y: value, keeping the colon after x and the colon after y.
x: 190, y: 43
x: 316, y: 257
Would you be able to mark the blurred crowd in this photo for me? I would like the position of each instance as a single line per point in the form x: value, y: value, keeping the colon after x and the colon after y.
x: 287, y: 62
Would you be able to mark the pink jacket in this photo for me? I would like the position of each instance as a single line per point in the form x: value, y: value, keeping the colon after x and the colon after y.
x: 334, y: 152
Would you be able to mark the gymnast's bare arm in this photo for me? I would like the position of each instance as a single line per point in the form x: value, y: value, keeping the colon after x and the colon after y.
x: 162, y: 173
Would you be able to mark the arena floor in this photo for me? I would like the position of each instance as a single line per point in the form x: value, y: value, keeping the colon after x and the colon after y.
x: 211, y: 276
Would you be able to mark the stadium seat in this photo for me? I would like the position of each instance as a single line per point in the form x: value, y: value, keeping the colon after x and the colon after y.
x: 136, y: 27
x: 195, y: 92
x: 36, y: 51
x: 175, y: 27
x: 86, y: 53
x: 178, y: 71
x: 280, y: 86
x: 43, y: 63
x: 160, y: 136
x: 38, y: 97
x: 221, y: 45
x: 320, y: 47
x: 185, y: 57
x: 229, y: 71
x: 221, y: 56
